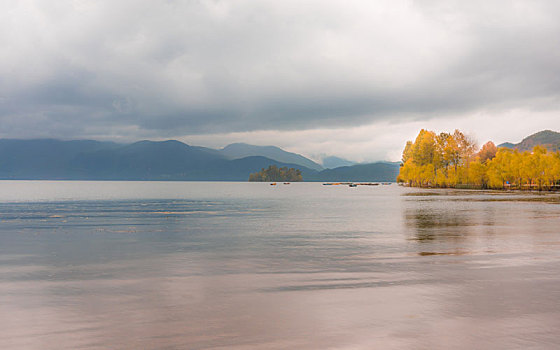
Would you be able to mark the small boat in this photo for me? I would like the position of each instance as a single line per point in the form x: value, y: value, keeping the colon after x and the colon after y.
x: 386, y: 183
x: 353, y: 185
x: 273, y: 184
x: 286, y: 183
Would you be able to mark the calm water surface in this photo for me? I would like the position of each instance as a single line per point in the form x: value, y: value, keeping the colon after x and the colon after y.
x: 148, y: 265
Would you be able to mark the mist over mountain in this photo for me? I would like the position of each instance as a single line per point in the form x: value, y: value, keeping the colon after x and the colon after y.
x: 332, y: 162
x: 547, y: 138
x: 242, y: 150
x: 163, y: 160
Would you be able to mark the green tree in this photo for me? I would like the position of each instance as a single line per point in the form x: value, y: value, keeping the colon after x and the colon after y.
x: 273, y: 173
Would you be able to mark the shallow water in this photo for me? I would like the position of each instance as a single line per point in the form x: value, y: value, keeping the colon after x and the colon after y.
x: 194, y: 265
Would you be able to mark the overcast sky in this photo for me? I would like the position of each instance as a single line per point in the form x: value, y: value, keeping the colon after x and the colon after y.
x: 349, y: 78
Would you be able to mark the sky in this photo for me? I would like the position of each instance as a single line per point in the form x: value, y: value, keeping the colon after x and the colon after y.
x: 354, y: 79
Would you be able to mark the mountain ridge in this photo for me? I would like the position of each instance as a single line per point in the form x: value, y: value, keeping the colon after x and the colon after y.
x: 171, y: 160
x: 241, y: 150
x: 546, y: 138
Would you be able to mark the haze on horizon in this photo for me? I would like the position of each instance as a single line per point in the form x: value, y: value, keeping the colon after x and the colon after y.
x: 354, y: 79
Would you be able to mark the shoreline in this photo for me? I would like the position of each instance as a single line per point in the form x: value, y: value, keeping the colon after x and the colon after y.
x: 557, y: 190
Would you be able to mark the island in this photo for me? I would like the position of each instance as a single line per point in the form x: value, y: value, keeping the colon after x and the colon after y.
x: 274, y: 173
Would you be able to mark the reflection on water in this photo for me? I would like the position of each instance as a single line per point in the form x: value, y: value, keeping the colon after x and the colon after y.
x: 430, y: 225
x: 238, y: 265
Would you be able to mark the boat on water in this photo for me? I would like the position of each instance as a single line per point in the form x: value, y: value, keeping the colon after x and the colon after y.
x: 273, y: 184
x: 351, y: 184
x: 286, y: 183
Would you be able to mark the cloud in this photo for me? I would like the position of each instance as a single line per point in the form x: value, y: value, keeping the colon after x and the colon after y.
x: 145, y: 69
x: 385, y: 140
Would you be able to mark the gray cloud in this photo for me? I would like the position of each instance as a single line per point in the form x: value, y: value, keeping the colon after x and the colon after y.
x: 161, y: 69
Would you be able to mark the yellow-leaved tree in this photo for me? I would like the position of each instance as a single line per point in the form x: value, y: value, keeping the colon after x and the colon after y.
x: 452, y: 160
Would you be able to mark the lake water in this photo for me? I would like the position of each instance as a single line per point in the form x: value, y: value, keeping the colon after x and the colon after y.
x: 199, y: 265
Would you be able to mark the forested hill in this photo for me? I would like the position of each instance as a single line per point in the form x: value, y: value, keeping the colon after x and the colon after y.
x: 547, y: 138
x: 148, y: 160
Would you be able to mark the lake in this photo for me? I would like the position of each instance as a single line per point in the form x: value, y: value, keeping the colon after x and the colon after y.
x: 200, y: 265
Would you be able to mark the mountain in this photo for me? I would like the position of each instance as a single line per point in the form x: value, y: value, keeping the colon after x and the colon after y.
x: 242, y: 150
x: 332, y: 162
x: 145, y: 160
x: 43, y: 158
x: 507, y: 145
x: 380, y: 171
x: 48, y: 159
x: 547, y: 138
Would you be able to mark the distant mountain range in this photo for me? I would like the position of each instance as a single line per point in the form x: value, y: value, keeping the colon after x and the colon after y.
x: 380, y: 171
x: 332, y: 162
x: 48, y: 159
x: 242, y: 150
x: 547, y: 138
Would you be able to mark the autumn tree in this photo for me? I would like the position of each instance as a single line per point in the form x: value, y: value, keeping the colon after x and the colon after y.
x: 436, y: 160
x: 488, y: 151
x: 452, y: 160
